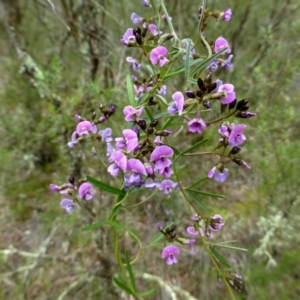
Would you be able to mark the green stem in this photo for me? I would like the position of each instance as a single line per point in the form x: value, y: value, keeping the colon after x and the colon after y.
x: 169, y: 22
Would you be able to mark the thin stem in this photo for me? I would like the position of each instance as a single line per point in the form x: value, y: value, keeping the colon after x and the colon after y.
x: 137, y: 204
x: 201, y: 153
x: 200, y: 33
x: 221, y: 119
x: 169, y: 22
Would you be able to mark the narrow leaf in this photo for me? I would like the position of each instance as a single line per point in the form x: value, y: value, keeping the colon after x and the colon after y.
x: 218, y: 256
x: 122, y: 286
x: 95, y: 225
x: 130, y: 90
x: 104, y: 186
x: 187, y: 60
x: 206, y: 193
x: 198, y: 182
x: 149, y: 114
x: 195, y: 146
x: 147, y: 293
x: 131, y: 276
x: 156, y: 238
x: 202, y: 205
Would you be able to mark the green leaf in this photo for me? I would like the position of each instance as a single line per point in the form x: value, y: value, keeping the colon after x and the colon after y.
x: 162, y: 99
x: 205, y: 62
x: 122, y: 286
x: 149, y: 114
x: 147, y: 293
x: 156, y: 238
x: 198, y: 182
x: 95, y: 225
x: 131, y: 275
x: 231, y: 247
x: 187, y: 60
x: 180, y: 69
x: 167, y: 123
x: 218, y: 256
x: 104, y: 186
x: 195, y: 146
x: 206, y: 193
x: 130, y: 90
x: 202, y: 205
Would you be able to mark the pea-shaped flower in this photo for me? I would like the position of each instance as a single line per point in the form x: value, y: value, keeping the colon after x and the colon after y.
x: 170, y: 253
x: 158, y: 56
x: 86, y: 191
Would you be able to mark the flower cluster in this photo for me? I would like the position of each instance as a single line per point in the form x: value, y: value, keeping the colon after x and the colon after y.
x: 82, y: 190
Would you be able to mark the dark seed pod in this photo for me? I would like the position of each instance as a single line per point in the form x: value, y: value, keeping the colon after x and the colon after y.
x: 232, y: 104
x: 200, y: 84
x: 235, y: 150
x: 142, y: 124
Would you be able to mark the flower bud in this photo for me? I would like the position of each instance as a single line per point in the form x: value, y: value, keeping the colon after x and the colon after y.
x: 151, y: 101
x: 142, y: 124
x: 163, y: 133
x: 154, y: 123
x: 245, y: 114
x: 208, y: 80
x: 206, y: 104
x: 242, y: 105
x: 190, y: 94
x: 235, y: 150
x: 232, y: 104
x: 200, y: 84
x: 149, y: 130
x: 199, y: 94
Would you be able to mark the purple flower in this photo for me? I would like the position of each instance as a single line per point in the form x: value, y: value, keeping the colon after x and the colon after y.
x: 163, y: 90
x: 216, y: 223
x: 219, y: 175
x: 146, y: 3
x: 85, y: 128
x: 131, y: 113
x: 136, y: 168
x: 167, y: 185
x: 226, y: 15
x: 227, y: 62
x: 135, y: 64
x: 191, y: 231
x: 165, y: 172
x: 152, y: 184
x: 196, y: 124
x: 159, y: 157
x: 106, y: 135
x: 136, y: 19
x: 158, y: 56
x: 169, y: 253
x: 236, y: 136
x: 128, y: 38
x: 85, y: 191
x: 178, y: 105
x: 154, y: 30
x: 55, y: 188
x: 213, y: 65
x: 230, y: 94
x: 68, y: 205
x: 119, y: 161
x: 220, y: 44
x: 73, y: 141
x: 130, y: 140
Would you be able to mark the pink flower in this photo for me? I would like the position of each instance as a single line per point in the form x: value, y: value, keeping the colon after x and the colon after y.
x: 170, y: 253
x: 220, y: 44
x: 86, y: 191
x: 158, y: 56
x: 196, y: 124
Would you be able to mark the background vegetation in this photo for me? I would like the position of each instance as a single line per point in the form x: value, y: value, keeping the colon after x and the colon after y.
x: 62, y: 57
